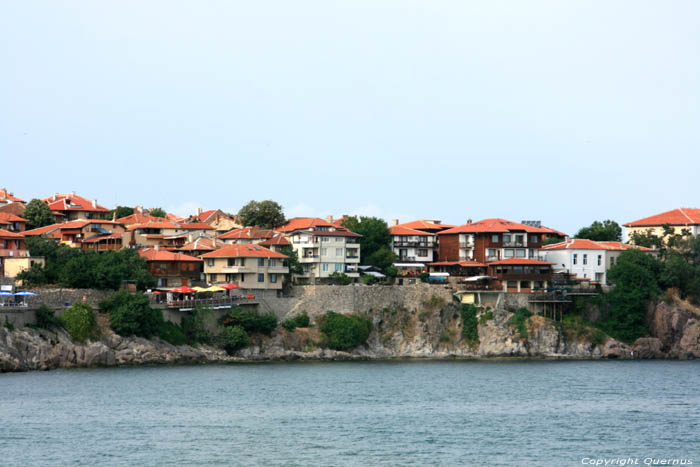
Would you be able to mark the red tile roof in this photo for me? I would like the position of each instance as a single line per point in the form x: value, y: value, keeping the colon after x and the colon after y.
x: 42, y: 230
x: 202, y: 243
x: 584, y: 244
x: 400, y: 230
x: 681, y: 216
x: 137, y: 218
x: 6, y: 196
x: 519, y: 262
x: 243, y: 251
x: 6, y: 217
x: 72, y: 202
x: 495, y: 225
x: 276, y: 240
x: 552, y: 231
x: 304, y: 223
x: 248, y: 233
x: 97, y: 238
x: 13, y: 208
x: 425, y: 225
x: 7, y: 234
x: 334, y: 233
x: 196, y: 226
x: 152, y: 254
x: 159, y: 224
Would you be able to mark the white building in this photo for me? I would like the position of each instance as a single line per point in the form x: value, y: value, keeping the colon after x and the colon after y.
x: 586, y: 258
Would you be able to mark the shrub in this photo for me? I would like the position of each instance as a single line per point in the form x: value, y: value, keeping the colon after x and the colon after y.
x: 340, y: 278
x: 233, y: 338
x: 300, y: 321
x: 250, y: 321
x: 485, y: 317
x: 391, y: 271
x: 423, y: 316
x: 200, y: 326
x: 434, y: 302
x: 343, y: 332
x: 369, y: 280
x: 9, y: 326
x: 172, y: 333
x: 46, y: 318
x: 79, y: 321
x: 424, y: 276
x: 444, y: 337
x: 132, y: 315
x: 519, y: 321
x: 470, y: 325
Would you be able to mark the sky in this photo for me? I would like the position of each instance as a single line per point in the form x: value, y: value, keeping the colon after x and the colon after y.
x: 561, y: 111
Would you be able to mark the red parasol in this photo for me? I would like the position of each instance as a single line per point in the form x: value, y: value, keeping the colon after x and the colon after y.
x: 230, y: 286
x: 183, y: 289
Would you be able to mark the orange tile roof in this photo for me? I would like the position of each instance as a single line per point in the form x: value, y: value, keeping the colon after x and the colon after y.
x: 6, y: 196
x: 519, y: 262
x: 276, y: 240
x: 425, y: 225
x: 553, y: 231
x: 72, y: 202
x: 464, y: 264
x: 196, y: 226
x: 13, y: 208
x: 400, y: 230
x: 160, y: 224
x: 151, y: 254
x: 42, y: 230
x: 243, y: 251
x: 7, y: 234
x: 681, y: 216
x: 6, y: 217
x: 202, y: 243
x: 137, y: 218
x: 495, y: 225
x: 584, y: 244
x: 97, y: 238
x: 304, y: 223
x: 248, y: 233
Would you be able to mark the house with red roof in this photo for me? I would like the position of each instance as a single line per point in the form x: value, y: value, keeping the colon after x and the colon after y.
x: 172, y: 270
x: 8, y: 198
x: 322, y: 248
x: 250, y: 266
x: 200, y: 246
x: 680, y: 220
x: 93, y: 234
x: 12, y: 222
x: 164, y: 234
x: 218, y: 219
x: 587, y: 259
x: 252, y: 234
x: 14, y: 258
x: 70, y: 207
x: 414, y: 249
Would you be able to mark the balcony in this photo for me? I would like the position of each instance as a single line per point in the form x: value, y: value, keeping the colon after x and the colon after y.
x: 415, y: 244
x: 515, y: 244
x: 407, y: 259
x: 469, y: 244
x: 278, y: 269
x: 237, y: 269
x: 309, y: 259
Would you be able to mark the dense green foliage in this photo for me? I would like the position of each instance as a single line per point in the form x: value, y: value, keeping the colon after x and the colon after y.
x: 157, y: 212
x: 369, y: 280
x: 470, y: 324
x: 343, y: 332
x: 375, y: 242
x: 250, y: 321
x: 121, y: 211
x: 200, y: 327
x: 79, y: 321
x: 608, y: 230
x: 391, y: 271
x: 132, y: 315
x: 38, y: 214
x: 486, y: 316
x: 233, y: 338
x: 340, y: 278
x: 299, y: 321
x: 76, y: 268
x: 292, y: 260
x: 576, y: 327
x: 46, y: 318
x: 266, y: 214
x: 551, y: 241
x: 519, y: 321
x: 172, y: 333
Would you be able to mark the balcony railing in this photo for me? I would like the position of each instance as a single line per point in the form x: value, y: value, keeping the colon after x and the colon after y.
x: 415, y: 244
x: 514, y: 243
x: 212, y: 302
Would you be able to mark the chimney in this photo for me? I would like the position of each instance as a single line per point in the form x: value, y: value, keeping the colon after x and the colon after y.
x: 94, y: 203
x: 394, y: 222
x: 469, y: 221
x: 53, y: 198
x: 199, y: 212
x: 72, y: 193
x: 329, y: 219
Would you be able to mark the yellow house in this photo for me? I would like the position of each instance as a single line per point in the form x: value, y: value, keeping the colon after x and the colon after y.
x: 678, y: 219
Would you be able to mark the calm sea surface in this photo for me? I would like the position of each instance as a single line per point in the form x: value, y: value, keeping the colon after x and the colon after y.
x: 368, y: 413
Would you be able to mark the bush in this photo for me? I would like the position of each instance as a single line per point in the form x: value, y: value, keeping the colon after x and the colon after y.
x: 9, y: 326
x: 132, y: 315
x: 444, y: 337
x: 391, y: 271
x: 343, y: 332
x: 485, y: 317
x: 46, y: 318
x: 519, y: 321
x: 233, y: 338
x: 250, y: 321
x: 340, y: 278
x: 470, y: 325
x: 199, y: 328
x: 424, y: 276
x: 172, y: 333
x: 299, y: 321
x: 369, y: 280
x: 79, y: 321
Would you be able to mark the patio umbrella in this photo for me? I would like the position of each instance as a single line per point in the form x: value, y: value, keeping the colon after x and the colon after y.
x: 183, y: 289
x: 214, y: 288
x: 230, y: 286
x: 25, y: 293
x: 199, y: 289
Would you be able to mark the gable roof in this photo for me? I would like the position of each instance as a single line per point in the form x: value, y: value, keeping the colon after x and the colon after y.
x: 151, y: 254
x: 13, y: 208
x: 495, y: 225
x: 400, y: 230
x: 196, y: 226
x: 5, y: 196
x: 73, y: 202
x: 245, y: 250
x: 303, y: 223
x: 680, y: 216
x: 423, y: 224
x: 278, y: 239
x: 202, y: 243
x: 248, y: 233
x: 6, y: 218
x: 138, y: 218
x: 7, y: 234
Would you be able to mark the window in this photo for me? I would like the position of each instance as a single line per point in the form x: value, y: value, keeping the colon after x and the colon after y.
x: 325, y: 266
x: 534, y: 238
x: 612, y: 261
x: 338, y: 267
x: 512, y: 284
x: 494, y: 238
x: 599, y: 276
x: 210, y: 262
x: 507, y: 253
x: 519, y: 239
x: 422, y: 253
x: 519, y: 253
x: 506, y: 238
x: 491, y: 253
x: 325, y: 239
x: 339, y: 252
x: 324, y: 251
x: 524, y: 284
x: 575, y: 260
x: 261, y: 261
x: 231, y: 262
x: 600, y: 260
x: 273, y: 278
x: 272, y: 262
x: 585, y: 259
x: 261, y: 277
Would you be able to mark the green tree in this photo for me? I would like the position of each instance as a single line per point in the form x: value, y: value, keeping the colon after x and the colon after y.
x: 551, y: 241
x: 266, y: 214
x: 158, y: 212
x: 343, y: 332
x: 132, y: 315
x: 233, y: 338
x: 38, y: 214
x: 375, y: 242
x: 608, y: 230
x: 293, y: 263
x: 79, y: 321
x: 122, y: 211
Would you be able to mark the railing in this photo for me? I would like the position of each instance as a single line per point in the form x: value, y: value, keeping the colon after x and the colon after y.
x: 211, y: 302
x: 415, y: 244
x: 514, y: 243
x: 466, y: 244
x: 409, y: 259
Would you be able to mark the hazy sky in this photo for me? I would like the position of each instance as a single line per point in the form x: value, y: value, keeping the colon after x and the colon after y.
x: 561, y: 111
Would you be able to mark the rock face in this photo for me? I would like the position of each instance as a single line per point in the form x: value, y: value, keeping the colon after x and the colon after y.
x: 431, y: 329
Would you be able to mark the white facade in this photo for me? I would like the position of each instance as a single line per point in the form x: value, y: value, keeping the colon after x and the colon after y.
x: 587, y: 264
x: 323, y: 253
x: 414, y: 248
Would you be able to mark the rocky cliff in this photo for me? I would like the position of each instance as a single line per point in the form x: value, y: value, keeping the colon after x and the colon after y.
x: 431, y: 329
